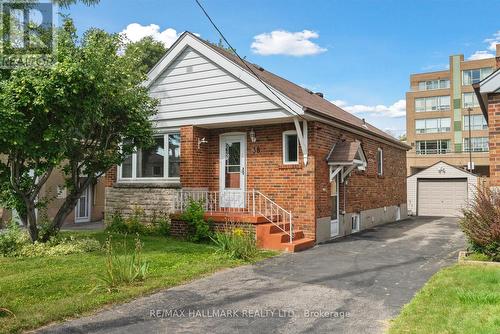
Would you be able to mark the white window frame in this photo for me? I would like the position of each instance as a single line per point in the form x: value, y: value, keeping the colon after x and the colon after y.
x: 355, y: 221
x: 475, y: 102
x: 165, y: 178
x: 439, y: 129
x: 482, y: 74
x: 438, y: 106
x: 473, y: 144
x: 284, y: 145
x: 483, y: 125
x: 380, y: 159
x: 433, y: 84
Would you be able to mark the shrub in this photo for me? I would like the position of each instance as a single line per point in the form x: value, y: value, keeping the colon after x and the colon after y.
x: 12, y: 239
x: 159, y: 225
x: 237, y: 243
x: 124, y: 269
x: 198, y: 227
x: 116, y: 223
x: 481, y: 223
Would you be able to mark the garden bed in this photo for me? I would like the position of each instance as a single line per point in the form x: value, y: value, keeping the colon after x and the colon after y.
x: 465, y: 257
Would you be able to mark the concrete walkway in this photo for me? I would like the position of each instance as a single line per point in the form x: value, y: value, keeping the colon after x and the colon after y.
x: 353, y: 285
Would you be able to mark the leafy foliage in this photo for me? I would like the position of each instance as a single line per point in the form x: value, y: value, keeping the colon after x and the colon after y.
x: 159, y: 224
x: 75, y: 114
x: 481, y: 222
x: 236, y: 243
x: 16, y: 243
x: 146, y: 52
x: 198, y: 227
x: 123, y: 269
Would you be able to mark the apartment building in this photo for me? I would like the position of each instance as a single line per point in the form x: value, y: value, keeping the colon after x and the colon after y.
x: 437, y: 120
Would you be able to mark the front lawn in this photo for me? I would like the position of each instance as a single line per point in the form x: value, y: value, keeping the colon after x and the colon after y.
x: 44, y: 289
x: 458, y: 299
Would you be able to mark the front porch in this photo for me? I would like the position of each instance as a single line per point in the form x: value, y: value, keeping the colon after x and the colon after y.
x: 251, y: 210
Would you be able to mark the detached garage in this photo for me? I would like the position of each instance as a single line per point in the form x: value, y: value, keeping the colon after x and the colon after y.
x: 440, y: 190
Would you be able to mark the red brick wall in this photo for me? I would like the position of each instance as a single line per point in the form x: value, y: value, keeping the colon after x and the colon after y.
x: 304, y: 190
x: 179, y: 228
x: 110, y: 177
x: 364, y: 189
x: 494, y: 138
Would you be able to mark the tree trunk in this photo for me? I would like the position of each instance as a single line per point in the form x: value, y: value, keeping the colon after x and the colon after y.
x: 32, y: 221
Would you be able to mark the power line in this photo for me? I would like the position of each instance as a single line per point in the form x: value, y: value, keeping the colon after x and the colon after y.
x: 243, y: 61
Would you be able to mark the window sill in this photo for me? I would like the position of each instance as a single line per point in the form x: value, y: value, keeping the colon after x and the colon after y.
x: 147, y: 184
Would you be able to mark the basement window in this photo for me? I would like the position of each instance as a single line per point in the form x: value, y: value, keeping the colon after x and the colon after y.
x: 355, y: 223
x: 290, y: 147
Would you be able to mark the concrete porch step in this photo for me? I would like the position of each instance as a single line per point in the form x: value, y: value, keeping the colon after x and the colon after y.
x: 270, y: 236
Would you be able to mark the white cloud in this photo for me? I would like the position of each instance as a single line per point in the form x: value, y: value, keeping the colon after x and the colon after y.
x: 484, y: 54
x: 281, y: 42
x: 135, y: 32
x: 397, y: 109
x: 481, y: 55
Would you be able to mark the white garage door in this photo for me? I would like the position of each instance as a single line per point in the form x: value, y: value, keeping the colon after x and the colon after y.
x: 441, y: 197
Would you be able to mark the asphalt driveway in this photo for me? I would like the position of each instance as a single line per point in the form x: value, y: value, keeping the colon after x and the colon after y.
x: 353, y: 285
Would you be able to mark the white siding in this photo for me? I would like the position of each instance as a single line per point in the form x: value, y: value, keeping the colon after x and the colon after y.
x: 433, y: 172
x: 194, y: 90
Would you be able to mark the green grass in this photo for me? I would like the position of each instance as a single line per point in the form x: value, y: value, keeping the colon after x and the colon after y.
x: 458, y: 299
x: 45, y: 289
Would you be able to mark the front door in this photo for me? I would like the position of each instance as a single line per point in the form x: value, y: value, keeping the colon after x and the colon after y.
x: 334, y: 219
x: 82, y: 208
x: 232, y: 170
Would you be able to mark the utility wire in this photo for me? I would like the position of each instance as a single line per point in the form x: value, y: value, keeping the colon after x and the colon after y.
x: 244, y: 62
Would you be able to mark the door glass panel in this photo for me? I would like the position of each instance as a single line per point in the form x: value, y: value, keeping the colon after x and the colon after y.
x: 233, y: 165
x: 334, y: 196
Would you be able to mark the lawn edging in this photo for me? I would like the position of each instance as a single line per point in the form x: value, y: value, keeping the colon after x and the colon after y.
x: 462, y: 259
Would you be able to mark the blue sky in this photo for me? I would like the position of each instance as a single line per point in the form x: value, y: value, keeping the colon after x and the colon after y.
x: 358, y: 53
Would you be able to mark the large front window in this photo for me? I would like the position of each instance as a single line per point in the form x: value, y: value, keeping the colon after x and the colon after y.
x: 479, y: 144
x: 433, y: 103
x: 433, y: 146
x: 433, y: 125
x: 477, y: 122
x: 470, y: 77
x: 160, y: 161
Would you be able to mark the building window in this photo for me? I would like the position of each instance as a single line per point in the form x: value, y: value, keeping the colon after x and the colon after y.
x: 355, y: 223
x: 469, y: 100
x: 433, y: 103
x: 433, y: 146
x: 290, y: 147
x: 434, y: 84
x: 470, y: 77
x: 477, y: 122
x: 479, y: 144
x: 380, y: 162
x: 155, y: 162
x: 433, y: 125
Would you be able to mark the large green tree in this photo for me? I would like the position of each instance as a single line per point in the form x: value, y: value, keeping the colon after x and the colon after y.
x: 74, y: 114
x: 147, y: 52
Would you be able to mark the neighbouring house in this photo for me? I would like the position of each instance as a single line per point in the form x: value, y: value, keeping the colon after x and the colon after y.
x: 260, y: 151
x: 440, y: 190
x: 90, y: 206
x: 488, y: 94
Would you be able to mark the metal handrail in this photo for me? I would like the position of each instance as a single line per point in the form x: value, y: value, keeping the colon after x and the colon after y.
x: 253, y: 203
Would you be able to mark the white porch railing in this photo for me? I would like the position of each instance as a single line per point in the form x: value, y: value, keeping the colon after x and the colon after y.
x: 252, y: 202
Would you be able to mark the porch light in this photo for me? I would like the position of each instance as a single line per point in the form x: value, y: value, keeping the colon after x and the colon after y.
x: 253, y: 138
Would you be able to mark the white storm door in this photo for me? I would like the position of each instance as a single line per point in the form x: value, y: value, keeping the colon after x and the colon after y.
x: 232, y: 170
x: 334, y: 196
x: 82, y: 208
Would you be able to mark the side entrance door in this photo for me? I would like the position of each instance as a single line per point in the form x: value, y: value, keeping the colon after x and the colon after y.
x: 232, y: 170
x: 82, y: 208
x: 334, y: 192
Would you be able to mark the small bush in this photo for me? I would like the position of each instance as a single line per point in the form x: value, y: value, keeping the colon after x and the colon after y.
x: 237, y: 243
x: 12, y: 239
x: 57, y: 246
x: 481, y: 223
x: 198, y: 227
x: 159, y: 225
x: 124, y: 269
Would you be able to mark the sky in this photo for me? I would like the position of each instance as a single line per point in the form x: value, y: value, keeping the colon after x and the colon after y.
x: 359, y: 54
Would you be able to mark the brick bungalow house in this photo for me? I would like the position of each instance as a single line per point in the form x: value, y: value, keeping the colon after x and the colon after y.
x: 260, y: 151
x: 488, y: 95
